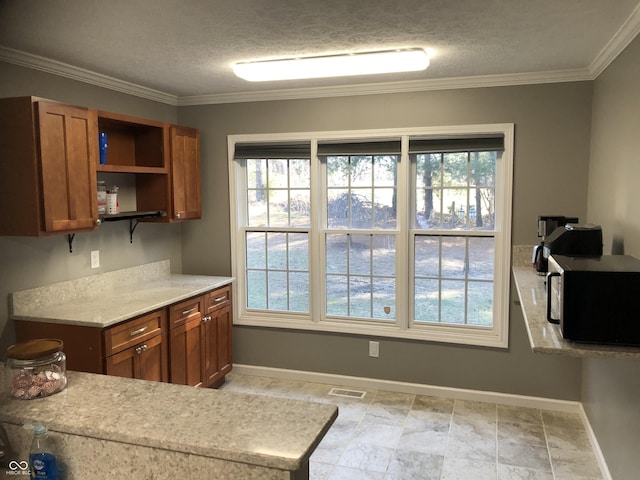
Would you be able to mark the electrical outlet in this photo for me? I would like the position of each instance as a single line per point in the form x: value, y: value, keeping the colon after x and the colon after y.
x: 95, y: 258
x: 374, y: 349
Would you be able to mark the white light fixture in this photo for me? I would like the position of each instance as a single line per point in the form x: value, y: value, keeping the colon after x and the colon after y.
x: 367, y: 63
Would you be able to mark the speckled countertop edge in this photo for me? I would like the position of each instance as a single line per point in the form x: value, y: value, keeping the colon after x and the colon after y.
x: 545, y: 337
x: 251, y: 429
x: 106, y: 299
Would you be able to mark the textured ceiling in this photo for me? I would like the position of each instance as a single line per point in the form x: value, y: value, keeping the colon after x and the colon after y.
x: 185, y: 48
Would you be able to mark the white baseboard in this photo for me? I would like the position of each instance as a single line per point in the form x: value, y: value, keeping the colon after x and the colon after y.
x: 432, y: 390
x: 414, y: 388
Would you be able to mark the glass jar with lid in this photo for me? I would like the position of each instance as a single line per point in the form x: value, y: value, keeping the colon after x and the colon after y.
x: 36, y: 368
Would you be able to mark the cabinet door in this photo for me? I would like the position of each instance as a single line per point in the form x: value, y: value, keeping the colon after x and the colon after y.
x: 218, y: 356
x: 210, y: 341
x: 225, y: 358
x: 146, y: 361
x: 68, y: 157
x: 186, y: 349
x: 185, y: 173
x: 186, y: 353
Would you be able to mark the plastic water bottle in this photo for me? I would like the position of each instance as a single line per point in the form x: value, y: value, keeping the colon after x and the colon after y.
x: 42, y: 461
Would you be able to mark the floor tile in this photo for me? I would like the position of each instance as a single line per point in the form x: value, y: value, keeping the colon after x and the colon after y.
x: 459, y: 469
x: 397, y: 436
x: 510, y: 472
x: 366, y: 457
x: 522, y: 433
x: 415, y: 465
x: 518, y: 455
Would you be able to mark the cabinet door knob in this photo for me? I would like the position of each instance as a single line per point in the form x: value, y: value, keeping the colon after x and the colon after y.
x: 98, y: 221
x: 141, y: 348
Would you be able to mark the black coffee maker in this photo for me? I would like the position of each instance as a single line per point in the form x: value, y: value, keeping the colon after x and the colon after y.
x: 546, y: 226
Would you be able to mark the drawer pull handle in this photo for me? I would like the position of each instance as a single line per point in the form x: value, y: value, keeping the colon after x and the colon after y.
x: 219, y: 299
x: 138, y: 331
x: 141, y: 349
x: 187, y: 312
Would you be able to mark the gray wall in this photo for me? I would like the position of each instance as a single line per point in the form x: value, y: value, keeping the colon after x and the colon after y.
x: 30, y: 262
x: 611, y: 388
x: 551, y: 165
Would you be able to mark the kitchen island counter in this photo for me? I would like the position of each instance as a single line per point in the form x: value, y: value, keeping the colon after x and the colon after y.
x: 163, y: 429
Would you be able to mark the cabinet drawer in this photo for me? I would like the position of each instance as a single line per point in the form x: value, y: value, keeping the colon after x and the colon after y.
x: 218, y: 298
x: 134, y: 331
x: 183, y: 311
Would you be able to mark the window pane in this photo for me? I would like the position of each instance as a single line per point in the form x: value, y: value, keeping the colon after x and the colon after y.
x: 360, y: 254
x: 337, y: 295
x: 360, y: 296
x: 278, y: 208
x: 482, y: 167
x: 256, y: 289
x: 336, y: 253
x: 427, y: 300
x: 384, y: 299
x: 278, y: 290
x: 427, y: 256
x: 361, y: 171
x: 452, y: 308
x: 384, y: 255
x: 277, y: 251
x: 256, y: 250
x: 256, y: 173
x: 480, y: 304
x: 257, y: 207
x: 454, y: 254
x: 481, y: 258
x: 299, y: 292
x: 300, y: 208
x: 299, y: 251
x: 455, y: 171
x: 299, y: 173
x: 385, y: 211
x: 278, y: 173
x: 361, y: 208
x: 337, y: 171
x: 338, y: 208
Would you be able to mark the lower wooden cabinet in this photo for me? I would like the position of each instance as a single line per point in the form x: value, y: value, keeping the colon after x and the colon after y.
x: 147, y: 361
x: 186, y: 348
x: 217, y: 334
x: 187, y: 343
x: 200, y: 339
x: 138, y: 348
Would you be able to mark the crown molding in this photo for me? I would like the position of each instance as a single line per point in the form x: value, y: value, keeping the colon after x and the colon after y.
x: 623, y: 37
x: 54, y: 67
x: 479, y: 81
x: 629, y: 30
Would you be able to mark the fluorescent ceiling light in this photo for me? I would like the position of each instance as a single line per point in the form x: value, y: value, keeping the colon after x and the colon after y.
x: 403, y: 60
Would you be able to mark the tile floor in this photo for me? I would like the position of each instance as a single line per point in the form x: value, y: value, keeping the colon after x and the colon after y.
x: 397, y: 436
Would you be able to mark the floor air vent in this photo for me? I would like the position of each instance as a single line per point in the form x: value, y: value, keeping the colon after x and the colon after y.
x: 343, y: 392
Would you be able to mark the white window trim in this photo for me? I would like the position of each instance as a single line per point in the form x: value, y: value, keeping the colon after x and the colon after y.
x: 497, y: 336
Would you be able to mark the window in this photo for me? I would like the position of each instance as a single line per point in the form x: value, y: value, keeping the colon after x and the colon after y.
x: 387, y: 233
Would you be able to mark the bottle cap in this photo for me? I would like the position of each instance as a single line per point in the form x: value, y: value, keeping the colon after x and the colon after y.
x: 39, y: 429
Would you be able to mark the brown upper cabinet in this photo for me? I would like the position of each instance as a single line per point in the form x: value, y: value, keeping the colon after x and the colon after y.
x: 48, y: 157
x: 50, y: 164
x: 185, y: 173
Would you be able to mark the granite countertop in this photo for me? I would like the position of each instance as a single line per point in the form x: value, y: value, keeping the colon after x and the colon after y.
x: 546, y: 337
x: 106, y: 299
x: 258, y: 430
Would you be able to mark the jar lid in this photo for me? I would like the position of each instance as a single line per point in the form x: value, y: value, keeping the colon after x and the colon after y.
x: 34, y: 349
